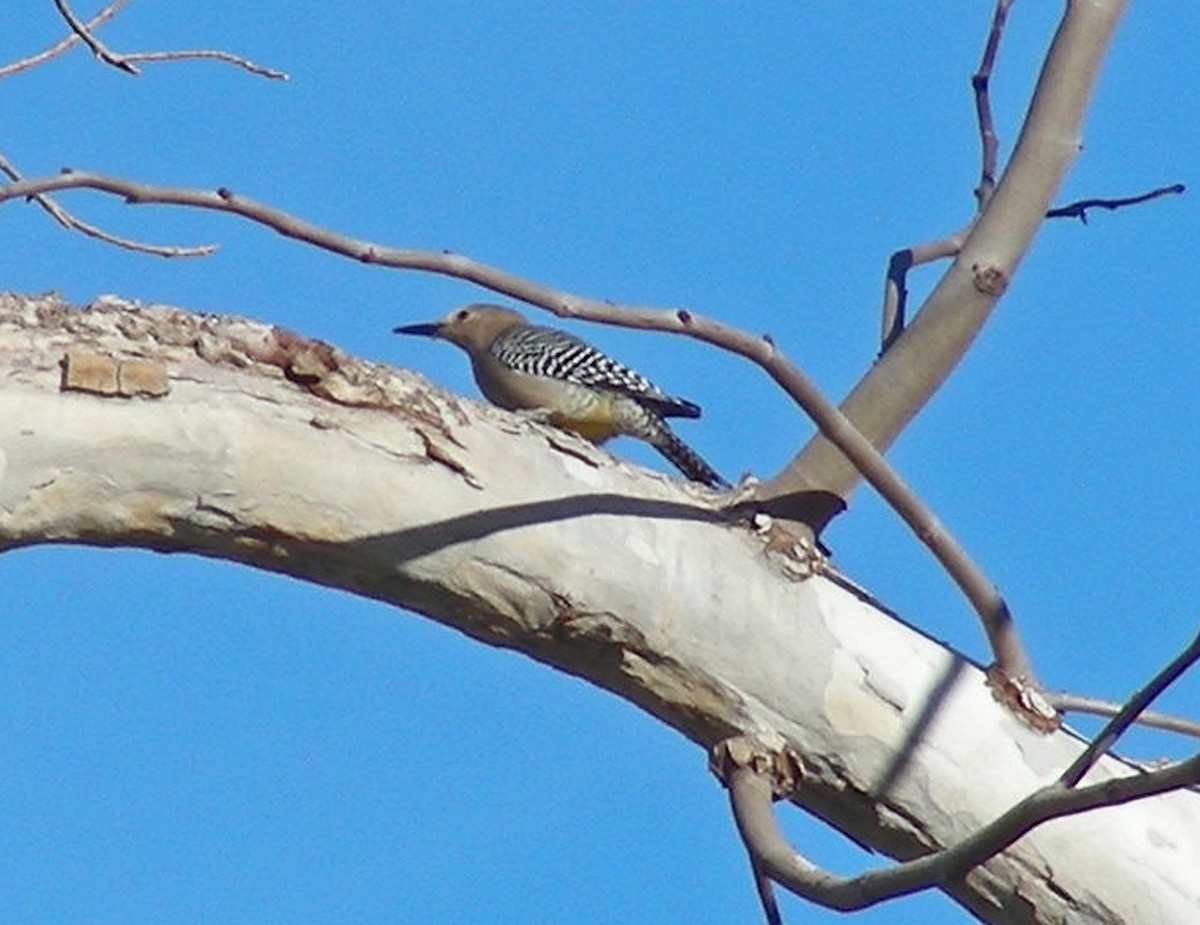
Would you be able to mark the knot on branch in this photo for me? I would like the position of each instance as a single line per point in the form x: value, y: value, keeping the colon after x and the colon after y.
x: 776, y: 763
x: 1024, y: 700
x: 989, y: 279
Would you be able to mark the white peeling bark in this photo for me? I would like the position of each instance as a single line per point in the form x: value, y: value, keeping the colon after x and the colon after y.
x: 230, y: 439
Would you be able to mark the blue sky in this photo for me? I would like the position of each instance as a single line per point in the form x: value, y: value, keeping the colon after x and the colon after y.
x: 191, y: 741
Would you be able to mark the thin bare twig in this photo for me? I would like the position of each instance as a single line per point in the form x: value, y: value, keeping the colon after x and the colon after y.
x: 63, y: 44
x: 210, y: 55
x: 1128, y: 715
x: 764, y: 886
x: 125, y: 62
x: 71, y: 222
x: 85, y: 35
x: 993, y: 611
x: 1079, y: 208
x: 1066, y: 702
x: 895, y: 285
x: 980, y: 83
x: 895, y: 291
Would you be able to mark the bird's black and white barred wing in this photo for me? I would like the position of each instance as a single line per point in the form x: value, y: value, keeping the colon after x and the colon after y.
x: 556, y: 354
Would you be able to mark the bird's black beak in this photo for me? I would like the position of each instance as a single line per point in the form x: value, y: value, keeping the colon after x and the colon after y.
x: 433, y: 329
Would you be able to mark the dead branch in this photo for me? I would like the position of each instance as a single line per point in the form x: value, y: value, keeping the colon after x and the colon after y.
x: 1128, y: 715
x: 981, y: 85
x: 73, y: 223
x: 126, y: 62
x: 206, y: 55
x: 1079, y: 209
x: 85, y: 35
x: 919, y: 361
x: 62, y: 45
x: 895, y: 285
x: 1066, y: 702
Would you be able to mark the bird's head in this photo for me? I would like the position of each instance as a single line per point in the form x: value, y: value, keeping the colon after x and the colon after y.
x: 472, y: 327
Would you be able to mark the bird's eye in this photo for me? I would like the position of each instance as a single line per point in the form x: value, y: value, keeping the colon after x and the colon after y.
x: 461, y: 315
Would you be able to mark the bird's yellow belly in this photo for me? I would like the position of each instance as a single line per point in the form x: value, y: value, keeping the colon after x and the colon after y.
x: 596, y: 428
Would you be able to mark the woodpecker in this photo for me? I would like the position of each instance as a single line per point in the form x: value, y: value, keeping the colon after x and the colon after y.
x: 521, y: 366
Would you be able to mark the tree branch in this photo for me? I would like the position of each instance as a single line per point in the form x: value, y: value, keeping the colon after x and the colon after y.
x: 126, y: 62
x: 85, y: 35
x: 991, y: 608
x: 206, y: 54
x: 895, y: 284
x: 752, y: 775
x: 72, y: 223
x: 981, y: 85
x: 857, y: 446
x: 1107, y: 737
x: 895, y: 289
x: 919, y: 361
x: 154, y: 428
x: 750, y: 799
x: 1078, y: 703
x: 1079, y: 208
x: 62, y: 45
x: 895, y: 293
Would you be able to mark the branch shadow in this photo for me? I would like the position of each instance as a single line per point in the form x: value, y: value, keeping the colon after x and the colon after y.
x: 954, y: 671
x: 417, y: 541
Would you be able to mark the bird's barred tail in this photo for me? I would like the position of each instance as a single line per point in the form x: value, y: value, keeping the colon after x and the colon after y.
x: 683, y: 457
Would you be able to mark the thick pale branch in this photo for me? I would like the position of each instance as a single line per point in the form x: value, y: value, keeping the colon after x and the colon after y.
x: 980, y: 592
x: 159, y: 429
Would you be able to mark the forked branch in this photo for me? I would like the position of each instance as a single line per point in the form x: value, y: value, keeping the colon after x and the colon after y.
x: 895, y: 291
x: 128, y: 62
x: 85, y: 35
x: 918, y: 361
x: 74, y: 223
x: 64, y: 44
